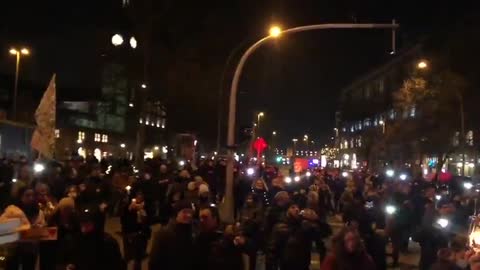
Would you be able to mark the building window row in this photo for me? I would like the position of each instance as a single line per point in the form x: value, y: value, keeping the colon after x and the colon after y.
x: 159, y: 123
x: 97, y: 137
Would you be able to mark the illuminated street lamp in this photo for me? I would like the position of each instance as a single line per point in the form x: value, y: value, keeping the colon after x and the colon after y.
x: 18, y: 54
x: 117, y: 40
x: 133, y: 43
x: 275, y: 31
x: 274, y: 133
x: 422, y: 64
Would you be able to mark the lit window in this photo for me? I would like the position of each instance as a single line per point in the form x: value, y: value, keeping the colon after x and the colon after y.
x: 104, y: 138
x: 344, y: 129
x: 456, y: 139
x: 81, y: 136
x: 140, y: 121
x: 125, y: 3
x: 352, y: 143
x: 391, y: 114
x: 352, y: 128
x: 158, y: 122
x: 97, y: 137
x: 413, y: 111
x: 367, y: 122
x: 57, y: 133
x: 469, y: 138
x: 359, y: 141
x: 345, y: 144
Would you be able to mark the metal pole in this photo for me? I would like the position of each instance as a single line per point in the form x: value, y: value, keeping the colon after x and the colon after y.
x: 228, y: 207
x: 462, y: 126
x: 15, y: 89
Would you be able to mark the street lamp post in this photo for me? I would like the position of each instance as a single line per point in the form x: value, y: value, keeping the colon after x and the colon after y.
x: 259, y: 116
x: 17, y: 53
x: 274, y: 33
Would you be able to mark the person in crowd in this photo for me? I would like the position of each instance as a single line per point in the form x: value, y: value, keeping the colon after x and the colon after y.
x: 23, y: 177
x: 172, y: 246
x: 278, y: 184
x: 276, y: 212
x: 95, y: 192
x: 348, y: 252
x: 162, y: 181
x: 260, y: 190
x: 57, y: 253
x: 214, y: 249
x: 45, y: 201
x: 27, y: 210
x: 6, y: 182
x: 146, y: 185
x: 289, y: 247
x: 431, y: 236
x: 94, y: 249
x: 136, y: 230
x: 207, y: 172
x: 179, y: 185
x: 250, y: 219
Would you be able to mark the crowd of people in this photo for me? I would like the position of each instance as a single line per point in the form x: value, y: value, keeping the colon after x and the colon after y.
x: 279, y: 218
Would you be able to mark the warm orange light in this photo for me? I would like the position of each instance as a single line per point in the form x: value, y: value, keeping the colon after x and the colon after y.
x: 422, y: 65
x: 275, y: 31
x: 25, y: 51
x: 13, y: 51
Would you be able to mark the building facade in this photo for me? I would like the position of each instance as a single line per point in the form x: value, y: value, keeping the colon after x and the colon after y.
x: 369, y: 117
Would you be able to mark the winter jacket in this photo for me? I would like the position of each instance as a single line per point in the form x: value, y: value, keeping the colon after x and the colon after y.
x: 214, y: 251
x: 172, y: 248
x: 291, y: 243
x: 97, y: 252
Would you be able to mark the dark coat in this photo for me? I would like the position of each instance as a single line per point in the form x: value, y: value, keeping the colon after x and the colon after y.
x: 97, y: 252
x: 291, y: 243
x: 214, y: 251
x: 172, y: 248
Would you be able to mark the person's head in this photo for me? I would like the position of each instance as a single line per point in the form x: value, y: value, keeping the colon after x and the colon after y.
x: 278, y: 182
x: 26, y: 196
x: 163, y: 168
x: 282, y: 198
x: 348, y: 241
x: 72, y: 192
x: 25, y: 172
x: 139, y: 197
x: 184, y: 212
x: 42, y: 192
x: 209, y: 219
x: 210, y: 163
x: 259, y: 184
x: 65, y: 208
x: 430, y: 192
x: 203, y: 191
x: 293, y: 211
x: 184, y: 174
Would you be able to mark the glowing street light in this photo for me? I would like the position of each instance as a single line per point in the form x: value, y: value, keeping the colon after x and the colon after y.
x: 18, y: 54
x: 390, y: 209
x: 133, y: 43
x: 122, y: 145
x: 443, y: 222
x: 422, y: 64
x: 288, y: 180
x: 275, y: 31
x: 250, y: 171
x: 117, y: 40
x: 144, y: 86
x: 274, y: 133
x: 467, y: 185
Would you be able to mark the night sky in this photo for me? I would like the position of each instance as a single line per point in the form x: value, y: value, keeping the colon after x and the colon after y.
x: 295, y: 80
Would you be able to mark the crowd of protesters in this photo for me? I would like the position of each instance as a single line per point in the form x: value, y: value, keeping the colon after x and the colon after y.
x: 280, y: 218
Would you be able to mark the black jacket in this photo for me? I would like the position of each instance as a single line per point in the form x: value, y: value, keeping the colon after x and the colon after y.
x: 291, y: 243
x: 214, y: 251
x: 172, y: 248
x: 97, y: 252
